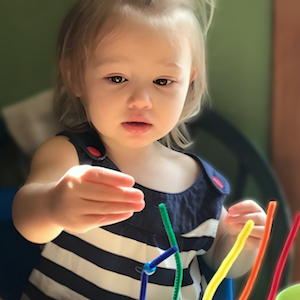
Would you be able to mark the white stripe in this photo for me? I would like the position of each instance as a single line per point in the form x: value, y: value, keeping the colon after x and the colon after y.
x: 203, y: 283
x: 196, y: 275
x: 155, y: 291
x: 52, y: 288
x: 107, y: 280
x: 207, y: 228
x: 133, y: 249
x: 201, y: 252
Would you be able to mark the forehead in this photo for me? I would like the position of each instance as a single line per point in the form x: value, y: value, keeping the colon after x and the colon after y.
x: 137, y: 39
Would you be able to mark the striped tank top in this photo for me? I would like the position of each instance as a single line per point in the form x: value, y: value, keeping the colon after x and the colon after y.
x: 105, y: 263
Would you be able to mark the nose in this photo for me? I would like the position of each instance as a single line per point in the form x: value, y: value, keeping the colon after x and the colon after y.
x: 140, y: 99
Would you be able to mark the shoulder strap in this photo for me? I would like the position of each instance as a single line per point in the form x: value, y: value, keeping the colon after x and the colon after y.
x: 88, y: 141
x: 218, y: 181
x: 215, y: 178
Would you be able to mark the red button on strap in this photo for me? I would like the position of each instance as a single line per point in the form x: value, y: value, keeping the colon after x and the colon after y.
x: 218, y: 182
x: 94, y: 151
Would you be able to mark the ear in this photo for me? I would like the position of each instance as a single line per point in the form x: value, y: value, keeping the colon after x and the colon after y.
x: 77, y: 93
x: 193, y: 75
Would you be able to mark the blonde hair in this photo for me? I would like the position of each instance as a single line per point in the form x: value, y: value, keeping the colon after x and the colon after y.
x: 79, y: 37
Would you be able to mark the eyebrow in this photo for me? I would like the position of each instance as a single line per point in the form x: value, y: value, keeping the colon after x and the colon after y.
x: 103, y: 62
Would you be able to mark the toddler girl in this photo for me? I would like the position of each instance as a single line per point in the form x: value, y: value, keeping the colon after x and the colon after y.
x: 131, y: 74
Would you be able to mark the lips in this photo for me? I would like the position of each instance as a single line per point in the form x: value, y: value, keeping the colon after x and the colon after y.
x: 138, y: 119
x: 136, y: 127
x: 137, y: 124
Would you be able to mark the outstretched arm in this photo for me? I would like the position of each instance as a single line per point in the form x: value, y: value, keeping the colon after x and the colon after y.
x: 62, y: 195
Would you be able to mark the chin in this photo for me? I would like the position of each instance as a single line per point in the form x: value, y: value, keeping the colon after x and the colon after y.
x: 137, y: 143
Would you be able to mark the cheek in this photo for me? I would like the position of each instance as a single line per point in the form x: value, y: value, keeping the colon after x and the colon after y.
x: 97, y: 109
x: 177, y: 106
x: 96, y: 97
x: 172, y: 110
x: 179, y: 97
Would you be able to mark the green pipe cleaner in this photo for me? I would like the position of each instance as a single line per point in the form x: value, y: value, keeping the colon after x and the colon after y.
x: 173, y: 242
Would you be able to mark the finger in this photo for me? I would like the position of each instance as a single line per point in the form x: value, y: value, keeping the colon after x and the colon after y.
x: 245, y: 206
x: 256, y: 232
x: 259, y: 218
x: 251, y: 242
x: 104, y: 208
x: 103, y: 175
x: 233, y: 231
x: 101, y: 192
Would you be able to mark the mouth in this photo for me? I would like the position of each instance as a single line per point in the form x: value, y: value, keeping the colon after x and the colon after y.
x: 136, y: 127
x: 137, y: 123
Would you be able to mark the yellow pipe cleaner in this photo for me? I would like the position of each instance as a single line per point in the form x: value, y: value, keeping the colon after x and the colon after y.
x: 228, y: 261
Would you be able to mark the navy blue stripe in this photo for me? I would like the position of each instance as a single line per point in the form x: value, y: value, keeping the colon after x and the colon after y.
x: 75, y: 283
x: 33, y: 293
x: 158, y: 240
x: 115, y: 263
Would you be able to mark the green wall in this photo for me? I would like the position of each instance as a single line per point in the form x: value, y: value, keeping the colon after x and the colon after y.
x: 239, y: 63
x: 28, y: 33
x: 239, y: 57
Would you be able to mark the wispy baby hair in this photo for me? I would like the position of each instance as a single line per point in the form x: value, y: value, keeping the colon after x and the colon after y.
x: 79, y: 38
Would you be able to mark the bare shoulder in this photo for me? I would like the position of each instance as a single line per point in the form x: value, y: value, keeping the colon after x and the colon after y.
x: 186, y: 163
x: 184, y: 169
x: 52, y: 159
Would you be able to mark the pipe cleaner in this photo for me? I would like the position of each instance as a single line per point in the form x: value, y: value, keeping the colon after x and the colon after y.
x: 283, y: 257
x: 228, y: 261
x: 150, y: 267
x: 261, y: 251
x: 173, y: 242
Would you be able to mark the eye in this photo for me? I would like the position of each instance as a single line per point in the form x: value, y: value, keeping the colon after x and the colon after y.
x: 162, y: 81
x: 117, y: 79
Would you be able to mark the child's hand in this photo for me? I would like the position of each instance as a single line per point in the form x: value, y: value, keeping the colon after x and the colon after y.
x: 237, y: 217
x: 87, y: 197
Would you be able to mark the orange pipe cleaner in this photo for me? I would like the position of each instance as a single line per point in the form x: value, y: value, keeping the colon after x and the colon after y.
x: 261, y: 251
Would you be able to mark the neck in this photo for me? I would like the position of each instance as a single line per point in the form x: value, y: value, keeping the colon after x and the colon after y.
x: 127, y: 159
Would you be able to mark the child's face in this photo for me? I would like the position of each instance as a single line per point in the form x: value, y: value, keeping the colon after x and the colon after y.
x: 149, y: 77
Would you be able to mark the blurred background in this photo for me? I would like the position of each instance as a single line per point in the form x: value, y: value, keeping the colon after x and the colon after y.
x: 254, y: 81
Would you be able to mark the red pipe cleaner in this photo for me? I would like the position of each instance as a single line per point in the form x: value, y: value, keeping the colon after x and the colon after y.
x: 283, y: 257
